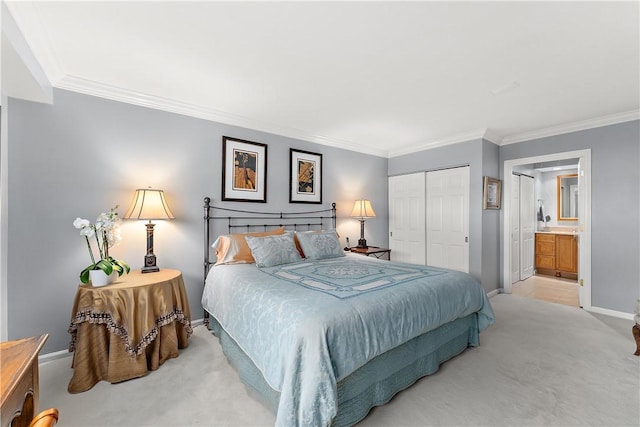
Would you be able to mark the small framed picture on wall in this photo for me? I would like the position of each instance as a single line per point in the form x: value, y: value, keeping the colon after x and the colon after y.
x: 244, y: 170
x: 305, y: 177
x: 492, y: 193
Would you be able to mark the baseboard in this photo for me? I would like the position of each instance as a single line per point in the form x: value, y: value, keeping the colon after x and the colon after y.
x: 48, y: 357
x: 612, y: 313
x: 493, y: 293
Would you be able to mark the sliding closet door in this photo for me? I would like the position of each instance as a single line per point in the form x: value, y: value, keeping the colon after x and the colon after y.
x: 406, y: 218
x: 448, y: 218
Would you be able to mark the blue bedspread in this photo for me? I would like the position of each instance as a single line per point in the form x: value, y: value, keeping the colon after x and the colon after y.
x: 310, y: 324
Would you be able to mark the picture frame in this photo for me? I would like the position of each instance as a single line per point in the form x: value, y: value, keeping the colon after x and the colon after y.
x: 244, y: 170
x: 492, y: 193
x: 305, y: 176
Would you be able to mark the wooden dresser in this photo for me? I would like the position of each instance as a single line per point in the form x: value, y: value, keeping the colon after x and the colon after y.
x: 20, y: 380
x: 557, y: 255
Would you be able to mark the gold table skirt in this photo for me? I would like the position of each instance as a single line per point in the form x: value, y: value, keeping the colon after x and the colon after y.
x: 123, y: 330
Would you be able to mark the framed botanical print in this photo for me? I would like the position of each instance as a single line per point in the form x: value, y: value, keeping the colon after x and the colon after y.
x: 305, y: 177
x: 244, y: 170
x: 492, y: 193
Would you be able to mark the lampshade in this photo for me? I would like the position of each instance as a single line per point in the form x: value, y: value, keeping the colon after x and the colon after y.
x: 362, y: 209
x: 149, y: 204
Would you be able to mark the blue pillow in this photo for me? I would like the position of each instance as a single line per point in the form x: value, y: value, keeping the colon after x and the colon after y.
x: 273, y: 250
x: 320, y: 244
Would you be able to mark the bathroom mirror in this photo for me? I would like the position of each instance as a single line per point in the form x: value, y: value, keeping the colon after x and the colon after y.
x: 568, y: 197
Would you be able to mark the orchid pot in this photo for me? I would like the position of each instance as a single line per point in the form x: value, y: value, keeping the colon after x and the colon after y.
x: 106, y: 232
x: 100, y: 278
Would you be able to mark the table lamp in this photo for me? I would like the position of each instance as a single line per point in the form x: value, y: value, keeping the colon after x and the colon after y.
x: 362, y: 210
x: 149, y: 204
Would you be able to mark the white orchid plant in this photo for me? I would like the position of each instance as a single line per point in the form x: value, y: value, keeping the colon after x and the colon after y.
x: 106, y: 231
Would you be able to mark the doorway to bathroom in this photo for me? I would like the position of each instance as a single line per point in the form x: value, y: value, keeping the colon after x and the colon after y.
x: 539, y: 285
x: 544, y: 244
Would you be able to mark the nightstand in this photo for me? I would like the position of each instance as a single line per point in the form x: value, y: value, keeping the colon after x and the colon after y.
x: 372, y: 251
x: 125, y: 329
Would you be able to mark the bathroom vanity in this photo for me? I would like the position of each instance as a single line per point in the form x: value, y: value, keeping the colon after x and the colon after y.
x: 557, y: 254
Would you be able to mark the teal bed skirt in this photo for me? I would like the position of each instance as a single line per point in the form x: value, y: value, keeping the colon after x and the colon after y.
x: 380, y: 379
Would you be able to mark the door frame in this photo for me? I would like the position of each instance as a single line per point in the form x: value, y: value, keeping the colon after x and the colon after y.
x: 584, y: 227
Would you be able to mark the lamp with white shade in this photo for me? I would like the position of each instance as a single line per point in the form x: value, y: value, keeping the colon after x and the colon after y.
x: 362, y: 210
x: 149, y: 204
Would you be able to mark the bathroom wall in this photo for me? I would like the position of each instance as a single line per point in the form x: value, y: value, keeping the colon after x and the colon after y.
x: 547, y: 191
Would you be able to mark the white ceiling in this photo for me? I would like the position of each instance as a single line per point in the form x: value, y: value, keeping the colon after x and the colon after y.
x: 384, y: 78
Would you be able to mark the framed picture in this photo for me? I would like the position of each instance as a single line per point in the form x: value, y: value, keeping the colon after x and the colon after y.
x: 492, y: 193
x: 305, y: 177
x: 244, y: 170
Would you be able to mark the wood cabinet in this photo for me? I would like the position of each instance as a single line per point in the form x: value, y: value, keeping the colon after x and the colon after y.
x: 557, y: 255
x: 566, y: 253
x: 545, y: 251
x: 19, y: 383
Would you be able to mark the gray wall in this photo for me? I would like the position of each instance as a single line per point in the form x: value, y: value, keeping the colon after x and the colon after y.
x: 615, y: 152
x: 83, y: 155
x: 490, y: 218
x: 615, y: 210
x: 482, y: 157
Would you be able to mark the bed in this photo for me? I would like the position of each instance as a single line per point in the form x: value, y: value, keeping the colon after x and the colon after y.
x: 325, y: 338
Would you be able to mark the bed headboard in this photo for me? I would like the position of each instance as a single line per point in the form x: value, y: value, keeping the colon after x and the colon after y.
x: 240, y: 221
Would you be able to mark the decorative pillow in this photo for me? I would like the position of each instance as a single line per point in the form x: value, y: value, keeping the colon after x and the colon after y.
x: 273, y: 250
x: 296, y: 241
x: 320, y: 244
x: 233, y: 248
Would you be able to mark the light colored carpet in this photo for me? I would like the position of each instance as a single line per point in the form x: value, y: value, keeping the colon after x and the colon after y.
x: 541, y: 364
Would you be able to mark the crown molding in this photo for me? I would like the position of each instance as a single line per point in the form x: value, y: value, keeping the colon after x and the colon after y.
x: 492, y: 136
x: 611, y: 119
x: 27, y: 17
x: 41, y: 89
x: 89, y: 87
x: 101, y: 90
x: 441, y: 142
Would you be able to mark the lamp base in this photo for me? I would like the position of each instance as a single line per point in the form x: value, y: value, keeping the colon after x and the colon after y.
x: 362, y: 243
x: 150, y: 264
